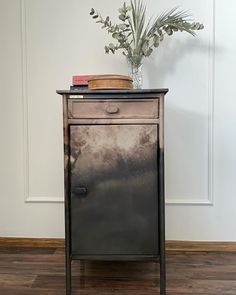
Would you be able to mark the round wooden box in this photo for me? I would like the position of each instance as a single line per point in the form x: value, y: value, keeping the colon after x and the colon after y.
x: 110, y: 82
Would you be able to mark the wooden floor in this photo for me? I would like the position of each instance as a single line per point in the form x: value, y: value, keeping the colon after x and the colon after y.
x: 40, y: 271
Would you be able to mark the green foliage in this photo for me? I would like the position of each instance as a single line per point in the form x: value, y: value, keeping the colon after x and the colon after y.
x: 136, y: 37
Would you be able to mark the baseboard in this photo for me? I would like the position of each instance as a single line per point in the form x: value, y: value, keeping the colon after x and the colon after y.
x: 197, y: 246
x: 171, y: 246
x: 32, y: 242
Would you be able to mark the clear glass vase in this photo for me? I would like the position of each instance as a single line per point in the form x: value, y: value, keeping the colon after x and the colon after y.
x: 135, y: 72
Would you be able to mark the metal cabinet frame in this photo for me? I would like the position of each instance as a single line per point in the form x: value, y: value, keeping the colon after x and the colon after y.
x: 70, y: 118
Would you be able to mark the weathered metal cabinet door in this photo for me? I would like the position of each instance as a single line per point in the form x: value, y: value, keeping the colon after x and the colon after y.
x: 113, y: 189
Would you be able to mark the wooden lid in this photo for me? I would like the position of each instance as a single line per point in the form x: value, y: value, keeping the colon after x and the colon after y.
x: 110, y: 77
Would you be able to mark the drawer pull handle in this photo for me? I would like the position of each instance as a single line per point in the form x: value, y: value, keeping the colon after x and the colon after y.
x: 112, y: 109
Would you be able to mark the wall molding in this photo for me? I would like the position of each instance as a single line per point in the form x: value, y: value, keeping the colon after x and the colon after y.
x: 209, y: 200
x: 189, y: 201
x: 43, y: 199
x: 27, y: 197
x: 169, y: 201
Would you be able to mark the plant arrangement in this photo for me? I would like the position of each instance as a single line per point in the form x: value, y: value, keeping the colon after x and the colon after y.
x: 137, y: 37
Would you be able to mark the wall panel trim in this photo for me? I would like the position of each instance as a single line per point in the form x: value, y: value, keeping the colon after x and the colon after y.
x: 169, y: 201
x: 211, y: 93
x: 27, y: 197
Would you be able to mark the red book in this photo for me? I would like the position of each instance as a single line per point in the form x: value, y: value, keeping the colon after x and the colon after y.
x: 80, y: 79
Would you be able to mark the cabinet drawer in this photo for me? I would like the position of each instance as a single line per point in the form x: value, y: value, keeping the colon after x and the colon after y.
x: 98, y: 109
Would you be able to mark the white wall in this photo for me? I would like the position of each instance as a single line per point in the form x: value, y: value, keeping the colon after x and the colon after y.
x: 44, y: 43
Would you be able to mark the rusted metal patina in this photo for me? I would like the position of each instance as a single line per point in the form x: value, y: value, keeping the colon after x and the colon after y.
x: 114, y: 189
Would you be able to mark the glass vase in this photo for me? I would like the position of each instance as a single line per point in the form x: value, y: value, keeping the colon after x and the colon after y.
x: 135, y: 72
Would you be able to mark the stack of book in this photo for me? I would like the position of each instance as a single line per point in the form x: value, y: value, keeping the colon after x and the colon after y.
x: 80, y: 82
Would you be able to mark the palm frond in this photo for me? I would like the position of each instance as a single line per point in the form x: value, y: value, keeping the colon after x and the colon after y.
x: 139, y: 25
x: 175, y: 18
x: 138, y: 19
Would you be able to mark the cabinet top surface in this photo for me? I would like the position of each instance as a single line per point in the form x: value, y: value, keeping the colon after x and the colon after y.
x: 106, y: 91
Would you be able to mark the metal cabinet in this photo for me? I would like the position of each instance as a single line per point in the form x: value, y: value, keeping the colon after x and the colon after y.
x: 114, y: 176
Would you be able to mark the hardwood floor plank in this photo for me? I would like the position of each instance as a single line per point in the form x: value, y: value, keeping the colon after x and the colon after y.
x: 17, y: 280
x: 29, y: 291
x: 38, y: 265
x: 203, y: 286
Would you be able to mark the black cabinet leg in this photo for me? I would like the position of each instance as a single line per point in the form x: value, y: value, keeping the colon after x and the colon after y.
x: 162, y: 277
x: 162, y: 224
x: 68, y: 275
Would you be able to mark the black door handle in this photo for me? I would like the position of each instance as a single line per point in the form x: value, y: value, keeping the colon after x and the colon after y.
x: 80, y: 190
